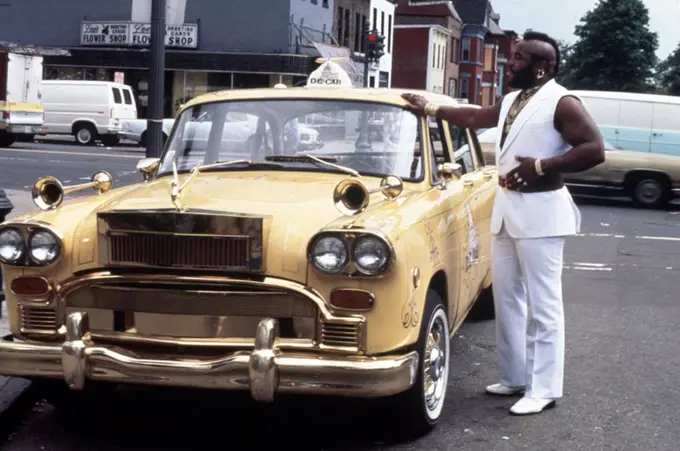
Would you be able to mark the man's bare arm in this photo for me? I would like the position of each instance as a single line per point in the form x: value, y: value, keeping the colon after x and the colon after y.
x: 467, y: 117
x: 578, y: 129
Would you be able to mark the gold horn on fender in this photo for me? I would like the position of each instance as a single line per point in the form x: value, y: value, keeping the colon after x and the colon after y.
x: 48, y: 192
x: 351, y: 196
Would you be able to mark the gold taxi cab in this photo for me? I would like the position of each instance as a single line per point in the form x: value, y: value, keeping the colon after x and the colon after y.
x: 243, y: 263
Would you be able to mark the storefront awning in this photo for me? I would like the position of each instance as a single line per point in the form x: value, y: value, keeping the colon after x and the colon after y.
x: 183, y: 60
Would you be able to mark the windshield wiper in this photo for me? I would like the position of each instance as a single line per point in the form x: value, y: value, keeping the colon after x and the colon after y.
x: 326, y: 161
x: 177, y: 189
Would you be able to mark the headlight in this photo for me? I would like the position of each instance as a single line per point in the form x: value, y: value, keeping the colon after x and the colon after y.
x: 43, y: 247
x: 12, y: 246
x: 371, y: 255
x: 329, y: 254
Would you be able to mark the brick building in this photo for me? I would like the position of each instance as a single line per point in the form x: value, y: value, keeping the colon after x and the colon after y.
x: 426, y: 46
x: 485, y: 49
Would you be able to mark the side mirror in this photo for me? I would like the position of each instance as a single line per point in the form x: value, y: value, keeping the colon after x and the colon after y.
x: 448, y: 171
x: 148, y: 166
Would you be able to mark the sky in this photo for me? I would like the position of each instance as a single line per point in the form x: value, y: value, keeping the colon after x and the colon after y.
x: 559, y: 17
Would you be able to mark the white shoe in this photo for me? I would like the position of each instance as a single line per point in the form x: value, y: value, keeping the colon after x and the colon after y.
x: 502, y: 390
x: 530, y: 406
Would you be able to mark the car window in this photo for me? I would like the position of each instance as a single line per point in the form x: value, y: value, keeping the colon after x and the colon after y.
x: 128, y: 96
x: 439, y: 152
x: 462, y: 152
x: 116, y: 96
x: 375, y: 139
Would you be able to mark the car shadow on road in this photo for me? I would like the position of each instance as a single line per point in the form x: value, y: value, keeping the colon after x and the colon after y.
x: 176, y: 419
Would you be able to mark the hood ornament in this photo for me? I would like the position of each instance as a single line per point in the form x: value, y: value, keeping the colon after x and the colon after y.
x: 176, y: 189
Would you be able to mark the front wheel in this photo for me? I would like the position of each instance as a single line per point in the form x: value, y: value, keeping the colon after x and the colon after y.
x: 651, y: 191
x: 420, y: 407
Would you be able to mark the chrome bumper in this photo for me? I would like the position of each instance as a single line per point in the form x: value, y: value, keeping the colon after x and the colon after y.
x: 264, y: 371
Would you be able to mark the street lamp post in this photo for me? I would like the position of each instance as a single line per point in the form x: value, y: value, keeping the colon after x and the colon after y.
x: 154, y: 140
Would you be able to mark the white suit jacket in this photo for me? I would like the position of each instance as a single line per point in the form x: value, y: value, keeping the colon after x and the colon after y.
x: 533, y: 134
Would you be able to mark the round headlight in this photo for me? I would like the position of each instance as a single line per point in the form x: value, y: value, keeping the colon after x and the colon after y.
x: 329, y: 254
x: 43, y: 247
x: 371, y: 255
x: 12, y: 246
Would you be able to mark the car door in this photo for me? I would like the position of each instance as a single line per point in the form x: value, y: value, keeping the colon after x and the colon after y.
x: 603, y: 175
x: 634, y: 128
x: 666, y: 129
x: 464, y: 210
x: 481, y: 180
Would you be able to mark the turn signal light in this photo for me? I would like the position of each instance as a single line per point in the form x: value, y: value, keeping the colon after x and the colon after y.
x: 30, y: 286
x: 349, y: 299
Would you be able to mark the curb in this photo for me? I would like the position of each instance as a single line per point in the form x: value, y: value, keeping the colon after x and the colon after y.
x: 17, y: 398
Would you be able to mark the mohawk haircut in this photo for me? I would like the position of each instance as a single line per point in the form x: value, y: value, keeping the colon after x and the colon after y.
x: 537, y: 36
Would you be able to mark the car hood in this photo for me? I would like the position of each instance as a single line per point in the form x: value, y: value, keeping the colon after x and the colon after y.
x: 296, y: 205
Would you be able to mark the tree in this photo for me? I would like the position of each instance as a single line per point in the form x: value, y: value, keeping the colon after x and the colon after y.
x: 615, y: 50
x: 565, y: 76
x: 668, y: 74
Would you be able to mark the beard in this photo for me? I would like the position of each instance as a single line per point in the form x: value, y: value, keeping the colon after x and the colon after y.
x: 523, y: 79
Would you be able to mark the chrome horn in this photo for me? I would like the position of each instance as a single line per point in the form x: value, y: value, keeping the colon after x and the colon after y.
x: 351, y: 196
x: 48, y: 192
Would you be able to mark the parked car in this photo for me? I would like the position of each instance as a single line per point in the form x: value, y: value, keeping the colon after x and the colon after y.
x: 245, y: 267
x: 635, y: 121
x: 650, y: 180
x: 89, y: 110
x: 135, y: 130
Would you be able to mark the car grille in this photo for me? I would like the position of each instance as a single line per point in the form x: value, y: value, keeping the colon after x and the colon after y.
x: 187, y: 301
x: 38, y: 319
x: 226, y: 253
x: 190, y: 239
x: 340, y: 334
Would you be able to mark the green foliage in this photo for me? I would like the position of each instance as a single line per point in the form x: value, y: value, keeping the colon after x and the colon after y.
x: 565, y: 76
x: 615, y: 50
x: 668, y: 74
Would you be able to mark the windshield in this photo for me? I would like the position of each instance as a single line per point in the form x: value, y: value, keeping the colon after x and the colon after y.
x: 372, y: 139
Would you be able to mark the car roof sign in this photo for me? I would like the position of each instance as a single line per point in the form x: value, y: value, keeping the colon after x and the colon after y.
x: 329, y: 75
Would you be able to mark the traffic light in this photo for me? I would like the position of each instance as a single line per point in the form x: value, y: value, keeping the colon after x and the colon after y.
x: 375, y: 46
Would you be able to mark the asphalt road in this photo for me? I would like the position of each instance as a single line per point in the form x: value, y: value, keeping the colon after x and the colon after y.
x: 621, y: 393
x: 23, y: 163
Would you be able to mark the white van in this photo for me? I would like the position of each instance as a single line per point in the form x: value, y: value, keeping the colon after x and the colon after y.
x: 631, y: 121
x: 89, y: 110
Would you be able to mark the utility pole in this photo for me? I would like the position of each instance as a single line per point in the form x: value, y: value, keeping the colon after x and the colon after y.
x: 366, y: 49
x: 154, y: 135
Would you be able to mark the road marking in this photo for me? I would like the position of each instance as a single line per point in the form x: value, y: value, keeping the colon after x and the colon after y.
x: 637, y: 237
x: 580, y: 266
x: 65, y: 152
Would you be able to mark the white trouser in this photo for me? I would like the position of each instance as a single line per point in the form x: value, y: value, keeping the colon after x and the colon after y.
x: 531, y: 347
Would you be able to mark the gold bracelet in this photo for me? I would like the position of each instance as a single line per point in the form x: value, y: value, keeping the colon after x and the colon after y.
x: 431, y: 109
